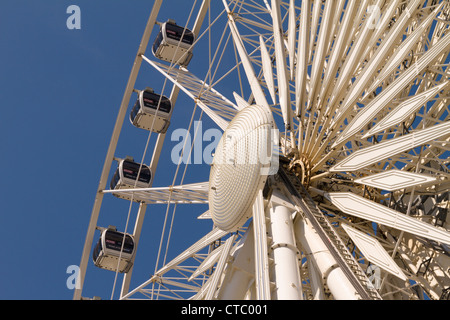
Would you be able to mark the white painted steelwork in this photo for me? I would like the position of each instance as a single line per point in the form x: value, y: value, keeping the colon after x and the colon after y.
x: 367, y: 209
x: 330, y: 273
x: 395, y: 179
x: 359, y: 91
x: 374, y: 251
x: 286, y: 270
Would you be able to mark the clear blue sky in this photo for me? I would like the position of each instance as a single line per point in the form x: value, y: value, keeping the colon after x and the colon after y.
x: 60, y: 91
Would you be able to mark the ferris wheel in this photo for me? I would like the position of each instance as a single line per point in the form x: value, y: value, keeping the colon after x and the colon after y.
x: 331, y: 178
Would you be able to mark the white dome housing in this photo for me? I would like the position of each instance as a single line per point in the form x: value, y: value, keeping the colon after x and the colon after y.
x: 241, y: 164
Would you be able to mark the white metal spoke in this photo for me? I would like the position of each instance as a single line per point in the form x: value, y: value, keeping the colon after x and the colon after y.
x: 370, y: 155
x: 280, y: 58
x: 262, y: 280
x: 366, y: 209
x: 189, y: 193
x: 374, y: 252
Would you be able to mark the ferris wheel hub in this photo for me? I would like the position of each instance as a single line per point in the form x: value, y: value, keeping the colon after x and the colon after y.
x: 301, y: 167
x: 240, y: 167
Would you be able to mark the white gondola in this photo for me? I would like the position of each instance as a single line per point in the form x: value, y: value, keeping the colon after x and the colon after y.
x: 173, y: 43
x: 126, y: 177
x: 106, y: 253
x: 151, y: 111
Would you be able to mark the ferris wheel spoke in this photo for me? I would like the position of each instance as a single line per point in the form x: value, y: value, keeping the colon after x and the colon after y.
x: 267, y: 70
x: 318, y: 63
x: 249, y: 71
x: 208, y: 263
x: 374, y: 252
x: 205, y: 241
x: 404, y: 49
x: 212, y: 236
x: 385, y: 49
x: 367, y: 156
x: 216, y: 106
x: 367, y: 73
x: 281, y: 66
x: 386, y: 96
x: 240, y: 102
x: 400, y: 113
x: 337, y: 48
x: 363, y: 208
x: 327, y: 110
x: 188, y: 193
x: 374, y: 63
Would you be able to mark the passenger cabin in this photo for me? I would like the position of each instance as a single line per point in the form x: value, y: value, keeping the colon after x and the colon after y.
x: 173, y: 43
x: 126, y: 177
x: 151, y: 111
x: 107, y: 251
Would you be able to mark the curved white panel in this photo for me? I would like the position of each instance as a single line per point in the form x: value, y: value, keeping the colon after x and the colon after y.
x: 302, y: 57
x: 213, y: 235
x: 363, y: 208
x: 223, y: 259
x: 240, y: 167
x: 291, y: 38
x: 187, y: 193
x: 262, y: 280
x: 280, y: 57
x: 374, y: 251
x: 214, y: 104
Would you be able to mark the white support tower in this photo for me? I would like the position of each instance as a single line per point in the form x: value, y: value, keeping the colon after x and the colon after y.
x: 286, y: 270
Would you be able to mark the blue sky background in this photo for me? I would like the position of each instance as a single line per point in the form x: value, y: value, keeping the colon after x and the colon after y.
x: 60, y: 91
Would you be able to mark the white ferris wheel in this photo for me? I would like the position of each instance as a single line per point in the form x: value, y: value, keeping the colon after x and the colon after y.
x: 331, y: 179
